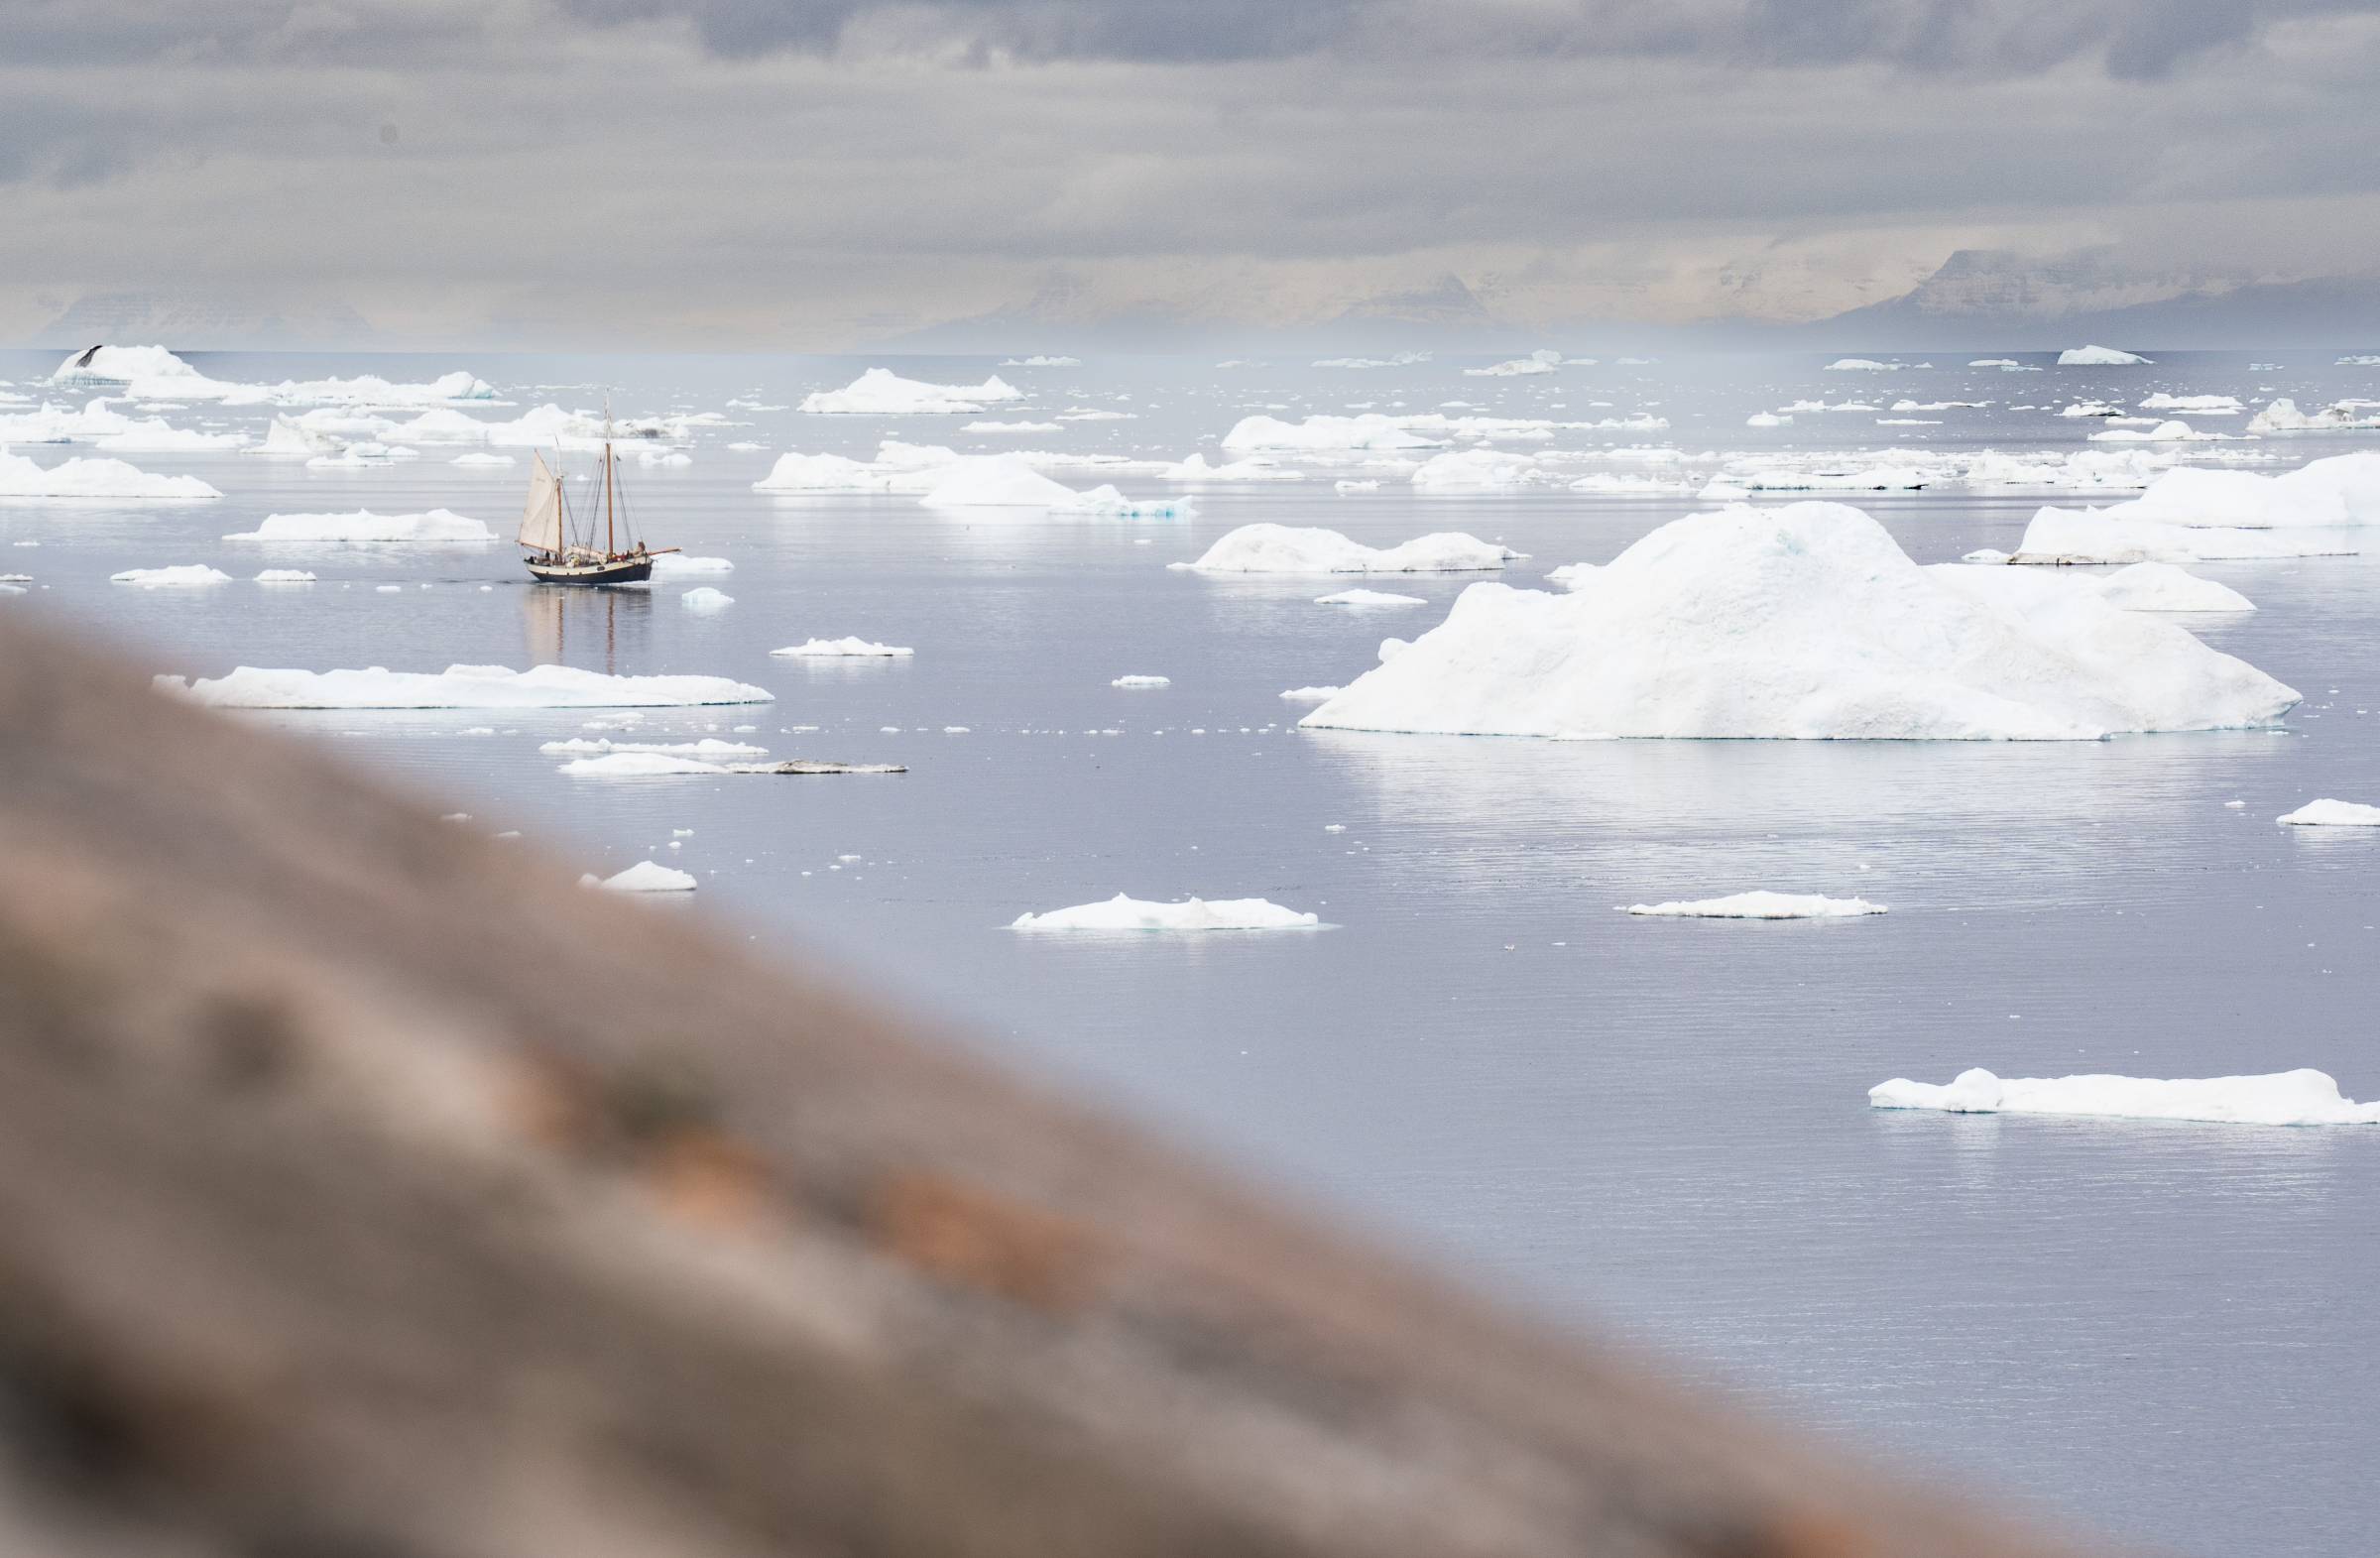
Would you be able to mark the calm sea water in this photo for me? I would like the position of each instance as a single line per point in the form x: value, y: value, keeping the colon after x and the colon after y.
x: 1659, y: 1128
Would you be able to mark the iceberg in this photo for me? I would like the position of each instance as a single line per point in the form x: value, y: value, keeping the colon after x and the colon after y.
x: 1861, y: 365
x: 2097, y: 357
x: 2191, y: 513
x: 1476, y: 470
x: 2194, y: 405
x: 880, y: 392
x: 2283, y: 415
x: 1801, y: 623
x: 1009, y: 481
x: 2332, y: 814
x: 152, y: 373
x: 1761, y: 904
x: 182, y: 576
x: 458, y: 688
x: 675, y: 564
x: 2160, y: 586
x: 704, y: 598
x: 2164, y: 433
x: 842, y: 648
x: 1287, y: 549
x: 2285, y: 1098
x: 1196, y: 469
x: 1368, y: 598
x: 1142, y: 681
x: 817, y: 474
x: 643, y: 877
x: 1042, y: 362
x: 284, y: 577
x: 1309, y: 695
x: 1537, y: 362
x: 438, y: 525
x: 1369, y: 432
x: 1130, y: 913
x: 1766, y: 420
x: 94, y: 478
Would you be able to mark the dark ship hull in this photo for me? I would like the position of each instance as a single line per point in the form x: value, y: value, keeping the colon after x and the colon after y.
x: 594, y: 570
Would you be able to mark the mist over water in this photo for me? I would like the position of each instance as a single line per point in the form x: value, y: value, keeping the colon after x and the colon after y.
x: 2164, y: 1330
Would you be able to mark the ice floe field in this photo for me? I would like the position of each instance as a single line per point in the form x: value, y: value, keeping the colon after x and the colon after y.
x: 1412, y: 987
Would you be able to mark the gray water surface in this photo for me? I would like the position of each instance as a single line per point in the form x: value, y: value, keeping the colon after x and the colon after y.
x: 2163, y: 1330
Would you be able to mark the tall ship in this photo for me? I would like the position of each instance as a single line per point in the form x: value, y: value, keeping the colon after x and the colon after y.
x: 561, y: 543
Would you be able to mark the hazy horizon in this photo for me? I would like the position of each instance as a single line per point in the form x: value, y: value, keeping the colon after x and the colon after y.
x: 823, y: 175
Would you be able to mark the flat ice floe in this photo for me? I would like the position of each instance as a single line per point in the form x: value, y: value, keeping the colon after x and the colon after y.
x: 842, y: 648
x: 1476, y: 470
x: 2284, y: 1098
x: 180, y: 576
x: 1291, y: 548
x: 646, y: 875
x: 677, y: 565
x: 710, y: 749
x: 93, y: 478
x: 1861, y: 365
x: 1368, y: 598
x: 880, y: 392
x: 1805, y: 622
x: 656, y: 765
x: 458, y: 688
x: 2098, y: 357
x: 1196, y: 469
x: 2194, y: 405
x: 2332, y: 814
x: 1760, y: 905
x: 284, y: 577
x: 1142, y: 681
x: 438, y: 525
x: 1309, y: 695
x: 1130, y: 913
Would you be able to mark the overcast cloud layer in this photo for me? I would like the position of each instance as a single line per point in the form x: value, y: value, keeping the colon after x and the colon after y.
x: 818, y: 172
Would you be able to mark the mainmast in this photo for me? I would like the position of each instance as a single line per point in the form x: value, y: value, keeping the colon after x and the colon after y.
x: 610, y: 545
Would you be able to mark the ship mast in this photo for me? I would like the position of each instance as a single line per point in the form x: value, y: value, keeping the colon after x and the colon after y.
x: 611, y: 547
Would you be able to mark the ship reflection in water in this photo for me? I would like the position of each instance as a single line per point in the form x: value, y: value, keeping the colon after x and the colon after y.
x: 603, y: 629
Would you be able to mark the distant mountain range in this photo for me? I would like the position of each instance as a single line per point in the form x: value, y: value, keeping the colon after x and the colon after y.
x: 1994, y: 298
x: 198, y: 322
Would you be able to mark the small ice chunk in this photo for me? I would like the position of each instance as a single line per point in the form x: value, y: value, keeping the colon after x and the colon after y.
x: 643, y: 877
x: 1142, y: 681
x: 2332, y: 814
x: 1760, y: 905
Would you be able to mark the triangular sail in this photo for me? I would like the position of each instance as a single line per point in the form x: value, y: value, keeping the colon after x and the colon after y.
x: 541, y: 518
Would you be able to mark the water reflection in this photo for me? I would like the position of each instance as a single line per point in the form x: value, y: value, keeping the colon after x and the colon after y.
x: 600, y: 627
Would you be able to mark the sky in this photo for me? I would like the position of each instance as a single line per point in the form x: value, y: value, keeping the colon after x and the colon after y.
x: 822, y: 174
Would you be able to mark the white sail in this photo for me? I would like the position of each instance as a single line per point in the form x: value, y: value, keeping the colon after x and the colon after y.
x: 541, y: 518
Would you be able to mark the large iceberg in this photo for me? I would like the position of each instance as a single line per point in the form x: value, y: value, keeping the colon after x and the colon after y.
x: 93, y: 478
x: 438, y: 525
x: 2303, y: 1097
x: 458, y: 688
x: 1291, y: 548
x: 2097, y: 357
x: 880, y: 392
x: 1805, y: 622
x: 2191, y: 513
x: 1129, y: 914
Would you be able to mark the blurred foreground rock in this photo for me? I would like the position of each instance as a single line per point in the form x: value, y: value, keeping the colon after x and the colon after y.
x: 369, y: 1190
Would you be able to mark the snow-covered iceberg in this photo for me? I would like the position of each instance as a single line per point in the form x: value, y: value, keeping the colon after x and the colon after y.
x: 1009, y: 481
x: 1476, y: 470
x: 180, y: 576
x: 1541, y: 361
x: 2194, y: 513
x: 1291, y: 548
x: 2332, y: 814
x: 458, y: 688
x: 706, y: 599
x: 2160, y: 586
x: 2302, y: 1097
x: 93, y: 478
x: 1369, y: 432
x: 2283, y: 415
x: 880, y: 392
x: 1805, y: 622
x: 842, y: 648
x: 438, y: 525
x: 1130, y: 913
x: 152, y: 373
x: 2097, y: 357
x: 1760, y: 905
x: 646, y: 875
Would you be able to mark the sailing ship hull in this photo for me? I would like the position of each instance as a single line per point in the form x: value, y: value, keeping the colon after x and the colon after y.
x: 611, y: 570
